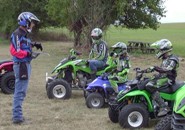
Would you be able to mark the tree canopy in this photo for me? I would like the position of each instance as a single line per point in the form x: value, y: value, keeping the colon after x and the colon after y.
x: 9, y: 11
x: 81, y: 16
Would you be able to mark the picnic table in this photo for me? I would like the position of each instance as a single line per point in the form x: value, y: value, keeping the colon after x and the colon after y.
x: 144, y: 47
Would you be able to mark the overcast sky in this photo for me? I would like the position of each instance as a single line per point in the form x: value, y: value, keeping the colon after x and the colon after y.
x: 175, y: 11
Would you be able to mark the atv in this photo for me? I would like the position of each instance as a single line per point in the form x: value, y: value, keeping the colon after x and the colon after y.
x: 134, y: 108
x: 71, y: 73
x: 100, y: 91
x: 176, y: 120
x: 7, y: 78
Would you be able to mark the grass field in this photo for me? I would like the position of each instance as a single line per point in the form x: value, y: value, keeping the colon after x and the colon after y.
x: 174, y: 32
x: 73, y: 114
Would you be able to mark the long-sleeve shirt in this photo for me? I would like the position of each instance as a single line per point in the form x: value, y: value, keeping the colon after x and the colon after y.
x: 123, y: 66
x: 169, y: 67
x: 20, y: 46
x: 99, y: 51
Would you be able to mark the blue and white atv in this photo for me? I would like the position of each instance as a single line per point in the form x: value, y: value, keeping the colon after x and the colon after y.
x: 100, y: 91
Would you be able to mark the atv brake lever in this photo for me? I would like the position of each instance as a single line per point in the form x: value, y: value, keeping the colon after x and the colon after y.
x: 45, y: 53
x: 36, y: 54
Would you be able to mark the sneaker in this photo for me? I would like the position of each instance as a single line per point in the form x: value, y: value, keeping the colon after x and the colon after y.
x: 18, y: 121
x: 23, y: 121
x: 163, y: 111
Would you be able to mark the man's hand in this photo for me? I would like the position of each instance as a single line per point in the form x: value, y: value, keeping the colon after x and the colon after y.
x: 33, y: 54
x: 158, y: 69
x: 37, y: 45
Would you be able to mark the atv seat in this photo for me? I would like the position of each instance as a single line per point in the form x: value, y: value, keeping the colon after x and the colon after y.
x: 5, y: 61
x: 173, y: 88
x: 132, y: 82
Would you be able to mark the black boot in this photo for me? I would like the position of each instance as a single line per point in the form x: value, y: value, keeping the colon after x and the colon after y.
x: 93, y: 76
x: 163, y: 107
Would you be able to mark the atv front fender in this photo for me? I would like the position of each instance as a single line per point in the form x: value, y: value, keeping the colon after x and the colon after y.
x: 62, y: 67
x: 179, y: 105
x: 138, y: 93
x: 6, y: 65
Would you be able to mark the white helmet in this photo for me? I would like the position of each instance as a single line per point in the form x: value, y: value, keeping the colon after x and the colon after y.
x: 25, y: 19
x: 164, y: 46
x: 119, y: 48
x: 96, y: 35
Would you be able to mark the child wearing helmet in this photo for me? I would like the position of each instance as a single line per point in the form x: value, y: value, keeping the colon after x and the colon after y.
x: 167, y: 72
x: 121, y: 58
x: 99, y: 52
x: 21, y: 51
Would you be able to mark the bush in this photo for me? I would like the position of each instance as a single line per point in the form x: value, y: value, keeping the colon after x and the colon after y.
x: 53, y: 34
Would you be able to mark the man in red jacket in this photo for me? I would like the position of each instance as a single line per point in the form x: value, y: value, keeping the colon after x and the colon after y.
x: 21, y: 50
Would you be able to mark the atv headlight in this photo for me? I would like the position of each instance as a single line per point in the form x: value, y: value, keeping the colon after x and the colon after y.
x: 48, y: 79
x: 105, y: 85
x: 181, y: 104
x: 46, y: 76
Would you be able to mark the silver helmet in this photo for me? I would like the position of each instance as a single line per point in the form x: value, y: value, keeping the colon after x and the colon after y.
x: 119, y: 48
x: 164, y: 46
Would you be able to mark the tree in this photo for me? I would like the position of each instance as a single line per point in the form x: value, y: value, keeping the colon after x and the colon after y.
x: 81, y: 16
x: 10, y: 10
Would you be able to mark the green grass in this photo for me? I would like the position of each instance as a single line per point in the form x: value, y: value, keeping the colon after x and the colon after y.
x: 174, y: 32
x: 3, y: 41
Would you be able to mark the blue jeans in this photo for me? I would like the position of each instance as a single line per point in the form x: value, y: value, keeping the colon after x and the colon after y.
x: 20, y: 92
x: 95, y: 64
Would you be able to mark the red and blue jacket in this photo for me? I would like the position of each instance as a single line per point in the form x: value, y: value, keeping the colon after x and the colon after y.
x: 20, y: 47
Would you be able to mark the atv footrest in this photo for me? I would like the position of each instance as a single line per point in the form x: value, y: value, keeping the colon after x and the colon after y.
x: 113, y: 105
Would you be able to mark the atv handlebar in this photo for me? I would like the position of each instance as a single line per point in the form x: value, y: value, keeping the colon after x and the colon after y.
x: 36, y: 54
x: 74, y: 53
x: 139, y: 72
x: 148, y: 70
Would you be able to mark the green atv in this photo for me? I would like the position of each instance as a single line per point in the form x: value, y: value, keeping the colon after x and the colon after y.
x: 133, y: 108
x: 71, y: 73
x: 176, y: 121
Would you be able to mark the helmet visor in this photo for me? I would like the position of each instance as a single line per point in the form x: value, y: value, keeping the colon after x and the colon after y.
x: 35, y: 22
x: 161, y: 52
x: 118, y: 50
